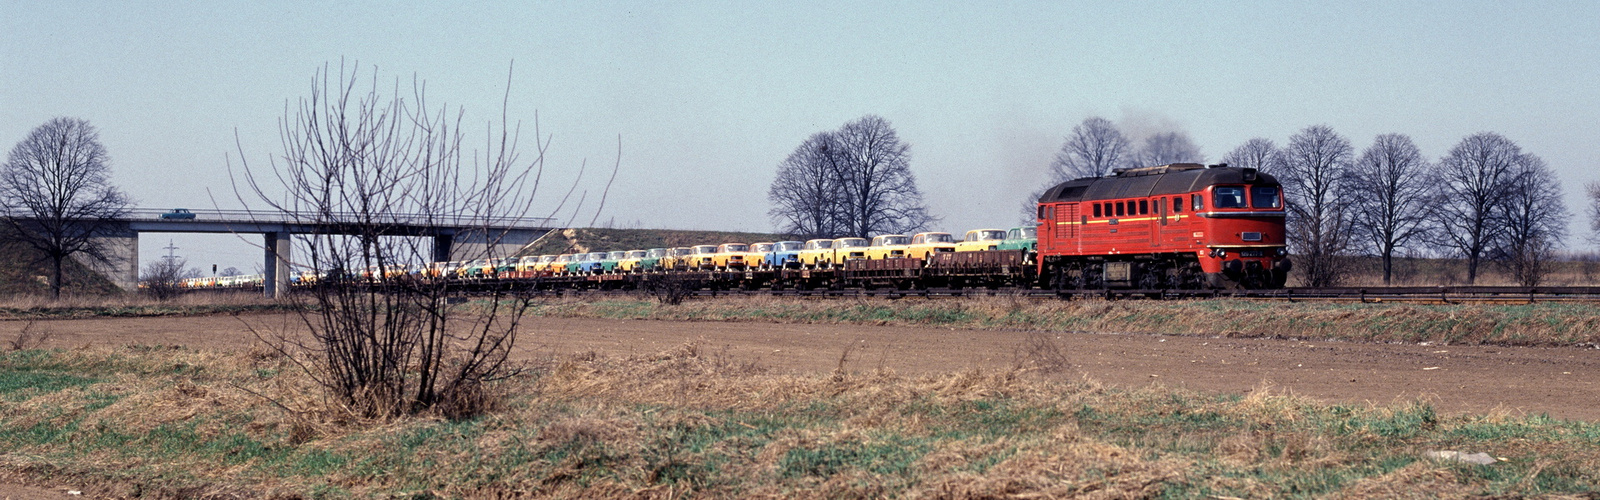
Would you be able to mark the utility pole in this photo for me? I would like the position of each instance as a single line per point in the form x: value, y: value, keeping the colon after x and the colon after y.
x: 170, y: 248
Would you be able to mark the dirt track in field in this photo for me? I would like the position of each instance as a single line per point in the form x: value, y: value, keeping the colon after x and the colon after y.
x: 1456, y: 379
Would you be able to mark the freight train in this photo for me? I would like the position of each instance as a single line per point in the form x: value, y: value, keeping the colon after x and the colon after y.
x: 1182, y: 226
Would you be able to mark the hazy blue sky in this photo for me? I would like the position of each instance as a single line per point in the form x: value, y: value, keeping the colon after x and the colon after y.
x: 709, y: 97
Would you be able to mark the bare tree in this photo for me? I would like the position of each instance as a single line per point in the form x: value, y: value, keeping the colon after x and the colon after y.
x: 57, y: 197
x: 858, y: 176
x: 805, y: 195
x: 881, y: 194
x: 1475, y: 178
x: 1167, y: 148
x: 1392, y: 186
x: 1258, y: 153
x: 1316, y: 163
x: 354, y: 159
x: 1092, y: 149
x: 1535, y: 221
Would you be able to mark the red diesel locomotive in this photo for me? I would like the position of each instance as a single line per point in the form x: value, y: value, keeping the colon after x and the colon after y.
x: 1183, y: 225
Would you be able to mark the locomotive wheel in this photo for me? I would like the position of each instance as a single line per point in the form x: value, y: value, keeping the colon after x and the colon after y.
x: 1150, y: 277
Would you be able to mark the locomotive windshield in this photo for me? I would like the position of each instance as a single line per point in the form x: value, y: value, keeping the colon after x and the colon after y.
x: 1227, y: 197
x: 1264, y: 197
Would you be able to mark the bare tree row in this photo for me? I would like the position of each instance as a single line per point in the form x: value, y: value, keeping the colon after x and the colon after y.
x: 1485, y: 199
x: 1096, y: 147
x: 854, y: 181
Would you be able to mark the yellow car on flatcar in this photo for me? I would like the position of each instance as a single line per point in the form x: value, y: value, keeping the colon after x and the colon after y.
x: 816, y: 253
x: 924, y: 244
x: 702, y: 258
x: 730, y: 257
x: 629, y: 263
x: 756, y: 258
x: 847, y: 249
x: 981, y: 239
x: 888, y: 246
x: 677, y: 258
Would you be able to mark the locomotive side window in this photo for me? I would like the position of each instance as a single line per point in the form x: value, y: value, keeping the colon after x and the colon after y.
x: 1264, y: 197
x: 1119, y: 209
x: 1227, y: 197
x: 1097, y: 210
x: 1041, y: 212
x: 1177, y: 204
x: 1144, y: 207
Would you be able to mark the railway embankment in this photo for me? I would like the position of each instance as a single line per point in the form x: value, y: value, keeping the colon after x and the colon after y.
x: 1565, y: 324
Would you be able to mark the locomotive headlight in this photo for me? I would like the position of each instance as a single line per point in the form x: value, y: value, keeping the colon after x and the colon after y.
x: 1222, y: 253
x: 1283, y: 252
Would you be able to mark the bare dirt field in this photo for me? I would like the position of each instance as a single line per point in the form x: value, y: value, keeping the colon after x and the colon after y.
x: 1456, y: 379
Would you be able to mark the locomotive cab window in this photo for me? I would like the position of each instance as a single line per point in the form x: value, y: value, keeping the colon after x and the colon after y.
x: 1227, y: 197
x: 1264, y: 197
x: 1194, y: 200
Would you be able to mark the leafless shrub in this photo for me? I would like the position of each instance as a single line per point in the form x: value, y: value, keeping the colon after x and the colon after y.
x: 1040, y: 352
x: 162, y: 280
x: 29, y: 338
x: 357, y: 161
x: 670, y: 288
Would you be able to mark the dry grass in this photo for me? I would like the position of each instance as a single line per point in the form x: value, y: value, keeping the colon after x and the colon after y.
x: 116, y: 305
x: 175, y: 423
x: 1568, y: 270
x: 1539, y: 324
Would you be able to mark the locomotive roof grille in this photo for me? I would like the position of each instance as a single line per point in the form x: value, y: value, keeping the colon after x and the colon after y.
x: 1154, y: 181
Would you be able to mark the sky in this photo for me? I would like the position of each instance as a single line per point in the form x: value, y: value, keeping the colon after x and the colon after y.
x: 707, y: 98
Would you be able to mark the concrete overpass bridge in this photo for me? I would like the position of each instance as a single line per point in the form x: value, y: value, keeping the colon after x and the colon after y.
x: 454, y: 237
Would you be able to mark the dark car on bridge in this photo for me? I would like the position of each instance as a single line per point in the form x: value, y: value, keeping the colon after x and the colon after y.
x: 178, y: 213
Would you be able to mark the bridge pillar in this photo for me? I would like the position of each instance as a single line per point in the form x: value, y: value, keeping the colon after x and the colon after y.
x: 441, y: 246
x: 276, y: 269
x: 120, y: 245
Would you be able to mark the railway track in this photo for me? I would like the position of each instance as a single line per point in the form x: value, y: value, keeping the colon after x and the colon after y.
x: 1423, y: 295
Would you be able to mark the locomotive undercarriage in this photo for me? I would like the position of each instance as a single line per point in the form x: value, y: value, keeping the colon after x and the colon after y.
x: 1175, y: 271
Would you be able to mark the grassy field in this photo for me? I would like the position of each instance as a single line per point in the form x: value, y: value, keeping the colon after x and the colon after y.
x: 161, y: 422
x: 1538, y: 324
